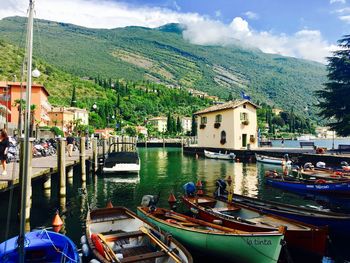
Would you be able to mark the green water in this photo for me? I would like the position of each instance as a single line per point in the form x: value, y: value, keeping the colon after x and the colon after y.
x: 163, y: 170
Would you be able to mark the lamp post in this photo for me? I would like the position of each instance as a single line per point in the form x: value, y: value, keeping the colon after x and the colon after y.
x: 333, y: 140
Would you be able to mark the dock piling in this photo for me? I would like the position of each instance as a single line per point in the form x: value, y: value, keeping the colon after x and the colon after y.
x: 61, y: 164
x: 94, y: 153
x: 83, y: 158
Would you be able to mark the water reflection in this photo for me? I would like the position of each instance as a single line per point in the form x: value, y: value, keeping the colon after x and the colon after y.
x: 162, y: 171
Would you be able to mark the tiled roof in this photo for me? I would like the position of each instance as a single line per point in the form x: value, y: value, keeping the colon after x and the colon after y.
x: 11, y: 83
x: 227, y: 105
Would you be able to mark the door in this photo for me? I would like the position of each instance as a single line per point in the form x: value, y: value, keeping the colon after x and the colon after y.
x: 244, y: 140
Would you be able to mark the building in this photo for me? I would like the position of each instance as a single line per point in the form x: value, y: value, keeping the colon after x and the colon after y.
x: 81, y: 115
x: 142, y: 130
x: 62, y: 118
x: 186, y: 124
x: 232, y: 125
x: 160, y: 123
x: 276, y: 111
x: 11, y: 92
x: 325, y: 133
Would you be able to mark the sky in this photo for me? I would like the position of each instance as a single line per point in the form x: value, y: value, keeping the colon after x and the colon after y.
x: 307, y: 29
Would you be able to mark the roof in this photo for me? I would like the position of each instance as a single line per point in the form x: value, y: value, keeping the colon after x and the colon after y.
x: 61, y: 110
x: 228, y: 105
x: 11, y: 83
x: 158, y: 118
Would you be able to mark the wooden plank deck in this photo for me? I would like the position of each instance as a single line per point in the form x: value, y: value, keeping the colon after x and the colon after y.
x: 40, y: 166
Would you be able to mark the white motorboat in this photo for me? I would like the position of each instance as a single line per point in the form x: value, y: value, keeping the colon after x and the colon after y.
x: 219, y: 155
x: 273, y: 160
x: 122, y: 162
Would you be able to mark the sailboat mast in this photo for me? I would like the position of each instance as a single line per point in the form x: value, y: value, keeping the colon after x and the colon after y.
x: 27, y: 151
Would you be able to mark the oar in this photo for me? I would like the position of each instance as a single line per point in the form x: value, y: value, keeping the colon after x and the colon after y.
x: 108, y: 250
x: 167, y: 250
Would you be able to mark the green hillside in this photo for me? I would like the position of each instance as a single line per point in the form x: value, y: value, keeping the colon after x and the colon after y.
x: 162, y: 55
x: 132, y: 102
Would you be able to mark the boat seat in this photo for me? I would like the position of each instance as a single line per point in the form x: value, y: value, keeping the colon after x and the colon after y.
x: 111, y: 237
x: 142, y: 257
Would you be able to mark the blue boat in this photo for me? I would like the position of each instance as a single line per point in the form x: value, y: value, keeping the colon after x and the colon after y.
x: 41, y: 246
x: 313, y: 186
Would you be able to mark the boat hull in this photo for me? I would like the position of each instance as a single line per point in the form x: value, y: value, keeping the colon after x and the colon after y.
x: 238, y: 248
x: 271, y: 160
x: 309, y: 239
x: 39, y: 248
x: 338, y: 224
x: 220, y: 156
x: 324, y: 188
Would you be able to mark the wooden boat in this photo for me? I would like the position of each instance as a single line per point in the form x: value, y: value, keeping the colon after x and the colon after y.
x: 219, y: 155
x: 299, y: 236
x: 122, y: 162
x: 118, y: 235
x: 41, y: 246
x: 338, y: 223
x: 299, y: 185
x: 226, y: 243
x: 321, y: 174
x: 272, y: 160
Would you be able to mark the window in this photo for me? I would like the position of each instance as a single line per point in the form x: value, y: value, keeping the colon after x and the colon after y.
x: 244, y: 116
x: 223, y: 137
x: 218, y: 118
x: 203, y: 120
x: 244, y: 106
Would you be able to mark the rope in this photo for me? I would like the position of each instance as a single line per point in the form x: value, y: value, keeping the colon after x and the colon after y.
x: 57, y: 249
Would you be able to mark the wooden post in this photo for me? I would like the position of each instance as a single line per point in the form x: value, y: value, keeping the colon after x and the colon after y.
x: 47, y: 187
x: 115, y: 145
x: 83, y: 158
x: 110, y: 142
x: 61, y: 164
x: 122, y: 143
x: 94, y: 153
x: 29, y: 178
x: 104, y: 147
x: 70, y: 172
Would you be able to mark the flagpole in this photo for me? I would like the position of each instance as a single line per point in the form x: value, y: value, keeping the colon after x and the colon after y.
x: 25, y: 168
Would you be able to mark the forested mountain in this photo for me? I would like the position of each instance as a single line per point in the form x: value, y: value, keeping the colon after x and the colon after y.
x: 162, y: 55
x: 130, y: 101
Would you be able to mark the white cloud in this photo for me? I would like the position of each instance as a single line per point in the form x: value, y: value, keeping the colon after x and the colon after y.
x: 345, y: 18
x: 307, y: 44
x: 337, y: 1
x: 251, y: 15
x: 201, y: 30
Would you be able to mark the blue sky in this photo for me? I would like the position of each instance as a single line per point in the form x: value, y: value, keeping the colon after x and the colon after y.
x: 279, y: 16
x: 305, y: 29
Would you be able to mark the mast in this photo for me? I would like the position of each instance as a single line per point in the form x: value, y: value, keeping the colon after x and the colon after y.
x: 27, y: 151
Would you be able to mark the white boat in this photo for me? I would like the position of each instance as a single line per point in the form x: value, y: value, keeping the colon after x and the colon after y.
x: 122, y: 162
x: 219, y: 155
x: 306, y: 137
x: 273, y: 160
x: 116, y: 234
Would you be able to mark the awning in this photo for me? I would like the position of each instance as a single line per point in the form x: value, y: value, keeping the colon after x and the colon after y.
x: 45, y: 117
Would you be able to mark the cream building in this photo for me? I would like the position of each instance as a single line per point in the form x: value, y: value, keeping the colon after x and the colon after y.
x: 186, y: 124
x: 160, y: 123
x: 80, y: 114
x: 232, y: 125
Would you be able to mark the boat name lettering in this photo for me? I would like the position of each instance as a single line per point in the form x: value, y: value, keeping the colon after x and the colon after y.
x: 259, y: 242
x: 322, y: 186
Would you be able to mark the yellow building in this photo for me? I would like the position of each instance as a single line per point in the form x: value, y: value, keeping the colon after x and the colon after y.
x: 62, y: 118
x: 232, y: 125
x: 160, y: 123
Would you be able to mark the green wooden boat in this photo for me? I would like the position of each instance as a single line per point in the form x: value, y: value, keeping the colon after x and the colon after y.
x: 229, y: 244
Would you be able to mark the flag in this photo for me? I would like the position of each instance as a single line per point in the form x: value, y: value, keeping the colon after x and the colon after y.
x: 245, y: 96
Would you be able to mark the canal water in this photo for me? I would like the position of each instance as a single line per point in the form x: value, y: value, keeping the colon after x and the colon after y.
x: 163, y: 170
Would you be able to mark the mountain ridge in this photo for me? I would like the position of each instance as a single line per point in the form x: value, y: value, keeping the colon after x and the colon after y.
x: 162, y: 55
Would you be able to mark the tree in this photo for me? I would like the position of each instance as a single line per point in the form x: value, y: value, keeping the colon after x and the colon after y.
x: 194, y: 126
x: 73, y: 102
x: 178, y: 125
x: 335, y: 103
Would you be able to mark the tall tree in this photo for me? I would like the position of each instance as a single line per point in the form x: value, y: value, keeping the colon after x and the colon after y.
x: 73, y: 102
x: 178, y: 125
x: 194, y: 126
x: 335, y: 103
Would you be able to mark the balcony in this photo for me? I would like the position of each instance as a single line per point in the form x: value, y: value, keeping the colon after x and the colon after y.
x: 202, y: 126
x: 245, y: 122
x: 217, y: 125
